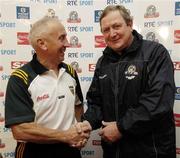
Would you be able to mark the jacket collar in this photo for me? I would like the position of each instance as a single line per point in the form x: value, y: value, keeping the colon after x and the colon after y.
x: 38, y: 67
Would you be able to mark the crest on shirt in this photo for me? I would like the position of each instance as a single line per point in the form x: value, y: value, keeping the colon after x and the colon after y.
x: 131, y: 72
x: 71, y: 88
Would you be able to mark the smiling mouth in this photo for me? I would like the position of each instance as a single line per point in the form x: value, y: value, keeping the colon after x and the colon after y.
x: 61, y: 53
x: 115, y: 40
x: 64, y: 49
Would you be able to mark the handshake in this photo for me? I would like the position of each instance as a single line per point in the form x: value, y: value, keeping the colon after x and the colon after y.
x: 78, y: 134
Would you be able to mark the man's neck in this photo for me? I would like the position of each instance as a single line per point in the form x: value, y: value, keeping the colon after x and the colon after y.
x: 47, y: 63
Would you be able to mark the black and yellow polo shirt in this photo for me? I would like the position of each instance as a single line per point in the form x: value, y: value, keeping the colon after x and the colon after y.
x: 36, y: 94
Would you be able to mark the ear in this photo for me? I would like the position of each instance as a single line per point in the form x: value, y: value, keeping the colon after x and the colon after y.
x: 42, y: 44
x: 130, y: 23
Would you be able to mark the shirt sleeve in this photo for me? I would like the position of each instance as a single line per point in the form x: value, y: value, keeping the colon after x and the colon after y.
x: 18, y: 103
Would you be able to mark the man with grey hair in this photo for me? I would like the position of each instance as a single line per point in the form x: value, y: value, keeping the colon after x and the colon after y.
x: 44, y: 99
x: 131, y: 96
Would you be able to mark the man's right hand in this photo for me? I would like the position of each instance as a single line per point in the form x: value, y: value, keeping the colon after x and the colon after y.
x: 79, y: 134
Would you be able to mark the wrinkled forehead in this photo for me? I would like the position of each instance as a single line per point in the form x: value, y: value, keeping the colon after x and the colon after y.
x: 113, y: 16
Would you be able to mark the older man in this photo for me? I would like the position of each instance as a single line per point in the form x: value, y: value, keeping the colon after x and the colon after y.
x: 44, y: 96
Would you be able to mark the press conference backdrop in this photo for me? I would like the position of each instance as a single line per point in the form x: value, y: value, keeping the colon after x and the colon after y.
x: 157, y: 20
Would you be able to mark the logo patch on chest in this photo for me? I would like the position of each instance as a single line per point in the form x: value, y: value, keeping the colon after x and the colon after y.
x: 131, y: 72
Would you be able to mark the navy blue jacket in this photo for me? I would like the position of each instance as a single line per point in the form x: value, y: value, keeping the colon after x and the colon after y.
x: 136, y: 89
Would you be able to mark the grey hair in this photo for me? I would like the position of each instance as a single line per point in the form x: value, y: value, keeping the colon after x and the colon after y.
x: 125, y: 13
x: 40, y: 28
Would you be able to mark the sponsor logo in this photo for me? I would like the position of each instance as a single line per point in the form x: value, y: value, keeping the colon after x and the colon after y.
x: 22, y: 12
x: 96, y: 142
x: 151, y: 12
x: 4, y: 24
x: 7, y: 52
x: 1, y: 68
x: 22, y: 38
x: 17, y: 64
x: 177, y: 8
x: 86, y: 55
x: 103, y: 76
x: 73, y: 55
x: 50, y: 1
x: 178, y: 151
x: 126, y: 1
x: 51, y: 13
x: 158, y: 24
x: 87, y: 152
x: 176, y: 65
x: 72, y: 28
x: 75, y: 66
x: 86, y: 29
x: 5, y: 77
x: 119, y: 1
x: 81, y: 29
x: 176, y: 36
x: 131, y: 72
x: 151, y: 36
x: 74, y: 42
x: 72, y: 3
x: 36, y: 1
x: 165, y: 23
x: 99, y: 41
x: 43, y: 97
x: 92, y: 67
x: 1, y: 94
x: 177, y: 120
x: 5, y: 130
x: 81, y: 2
x: 86, y: 79
x: 177, y: 94
x: 81, y: 55
x: 86, y: 2
x: 97, y: 14
x: 9, y: 154
x: 150, y: 24
x: 73, y: 17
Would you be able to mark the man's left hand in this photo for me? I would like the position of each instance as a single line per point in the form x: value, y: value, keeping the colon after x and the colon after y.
x: 110, y: 132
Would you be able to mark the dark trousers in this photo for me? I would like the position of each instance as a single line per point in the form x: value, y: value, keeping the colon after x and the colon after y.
x: 33, y: 150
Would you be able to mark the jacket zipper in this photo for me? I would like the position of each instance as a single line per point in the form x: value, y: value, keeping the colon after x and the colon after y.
x: 154, y: 146
x: 116, y: 103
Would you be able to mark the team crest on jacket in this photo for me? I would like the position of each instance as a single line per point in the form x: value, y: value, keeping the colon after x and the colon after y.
x: 131, y: 72
x: 71, y: 88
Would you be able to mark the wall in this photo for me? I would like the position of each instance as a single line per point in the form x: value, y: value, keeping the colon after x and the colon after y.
x: 157, y: 20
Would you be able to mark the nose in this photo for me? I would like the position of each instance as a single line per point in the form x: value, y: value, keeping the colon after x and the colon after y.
x: 66, y: 43
x: 112, y: 32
